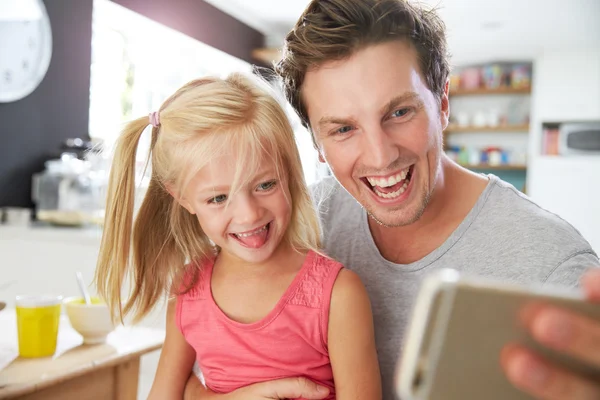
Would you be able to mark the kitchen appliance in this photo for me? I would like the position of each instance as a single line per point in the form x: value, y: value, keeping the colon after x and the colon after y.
x: 580, y: 138
x: 69, y: 192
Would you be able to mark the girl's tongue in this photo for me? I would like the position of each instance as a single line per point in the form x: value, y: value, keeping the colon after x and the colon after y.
x: 255, y: 239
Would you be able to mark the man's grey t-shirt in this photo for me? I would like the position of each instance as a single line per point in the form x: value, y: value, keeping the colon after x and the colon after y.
x: 504, y: 236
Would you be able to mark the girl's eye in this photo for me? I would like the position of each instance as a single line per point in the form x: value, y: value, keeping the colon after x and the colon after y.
x: 401, y: 112
x: 217, y: 199
x: 265, y: 186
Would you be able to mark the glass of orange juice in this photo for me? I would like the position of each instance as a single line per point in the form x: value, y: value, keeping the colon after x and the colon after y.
x: 37, y: 324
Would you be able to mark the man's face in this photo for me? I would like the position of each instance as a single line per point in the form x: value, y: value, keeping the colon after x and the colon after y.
x: 379, y: 128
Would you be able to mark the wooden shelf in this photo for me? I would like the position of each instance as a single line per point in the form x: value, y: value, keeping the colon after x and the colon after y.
x: 267, y: 55
x: 483, y: 91
x: 480, y: 129
x: 496, y: 167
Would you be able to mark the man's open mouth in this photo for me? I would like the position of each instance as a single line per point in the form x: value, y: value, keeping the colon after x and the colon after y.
x: 391, y: 186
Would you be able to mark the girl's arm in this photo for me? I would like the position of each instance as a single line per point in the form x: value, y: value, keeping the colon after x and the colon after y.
x: 351, y: 340
x: 175, y: 364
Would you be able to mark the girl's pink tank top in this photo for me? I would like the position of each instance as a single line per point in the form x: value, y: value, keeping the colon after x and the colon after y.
x: 291, y: 341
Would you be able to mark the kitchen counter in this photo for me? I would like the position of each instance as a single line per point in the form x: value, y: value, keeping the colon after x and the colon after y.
x: 105, y: 371
x: 44, y: 259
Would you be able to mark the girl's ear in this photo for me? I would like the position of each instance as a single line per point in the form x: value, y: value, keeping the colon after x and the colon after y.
x: 179, y: 198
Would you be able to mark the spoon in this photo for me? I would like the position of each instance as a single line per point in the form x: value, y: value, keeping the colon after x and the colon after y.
x: 83, y: 289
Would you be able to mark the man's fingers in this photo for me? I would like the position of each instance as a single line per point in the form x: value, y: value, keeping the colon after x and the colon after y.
x: 542, y: 380
x: 567, y: 332
x: 295, y: 387
x: 591, y: 284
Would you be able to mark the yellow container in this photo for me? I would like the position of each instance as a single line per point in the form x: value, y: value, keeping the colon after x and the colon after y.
x: 37, y: 325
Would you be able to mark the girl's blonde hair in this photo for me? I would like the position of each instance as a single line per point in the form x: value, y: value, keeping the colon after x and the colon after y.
x: 205, y: 118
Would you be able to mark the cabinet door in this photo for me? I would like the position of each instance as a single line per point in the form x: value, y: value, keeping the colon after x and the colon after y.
x: 567, y: 86
x: 570, y: 188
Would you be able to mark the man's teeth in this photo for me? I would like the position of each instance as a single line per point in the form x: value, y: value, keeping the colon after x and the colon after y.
x: 390, y: 181
x: 255, y: 232
x: 392, y: 195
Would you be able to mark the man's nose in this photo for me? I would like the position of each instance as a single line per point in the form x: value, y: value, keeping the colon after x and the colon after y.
x: 379, y: 149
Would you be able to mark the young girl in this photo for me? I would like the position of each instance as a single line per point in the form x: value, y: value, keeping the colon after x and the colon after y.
x: 228, y: 227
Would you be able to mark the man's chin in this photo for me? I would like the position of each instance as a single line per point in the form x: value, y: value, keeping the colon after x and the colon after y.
x: 394, y: 216
x: 394, y: 219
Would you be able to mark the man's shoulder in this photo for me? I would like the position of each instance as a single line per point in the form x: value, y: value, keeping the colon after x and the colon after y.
x: 336, y: 208
x: 523, y: 218
x: 327, y: 192
x: 512, y: 237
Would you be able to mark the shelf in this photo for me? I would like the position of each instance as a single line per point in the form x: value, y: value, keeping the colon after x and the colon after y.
x: 480, y: 129
x: 267, y: 55
x: 483, y: 91
x: 496, y: 167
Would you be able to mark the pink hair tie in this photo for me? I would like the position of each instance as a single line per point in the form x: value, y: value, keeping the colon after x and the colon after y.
x: 154, y: 119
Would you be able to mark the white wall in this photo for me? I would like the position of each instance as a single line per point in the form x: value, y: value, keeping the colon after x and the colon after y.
x: 566, y: 87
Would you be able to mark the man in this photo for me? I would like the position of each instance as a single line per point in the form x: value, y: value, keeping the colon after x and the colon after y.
x: 369, y: 79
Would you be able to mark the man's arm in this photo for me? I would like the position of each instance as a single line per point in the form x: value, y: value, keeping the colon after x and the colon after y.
x: 351, y: 341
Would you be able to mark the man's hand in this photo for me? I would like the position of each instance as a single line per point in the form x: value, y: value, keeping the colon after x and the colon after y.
x: 289, y: 388
x: 563, y: 331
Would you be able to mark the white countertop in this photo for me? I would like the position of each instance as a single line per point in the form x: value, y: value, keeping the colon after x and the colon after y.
x: 85, y: 235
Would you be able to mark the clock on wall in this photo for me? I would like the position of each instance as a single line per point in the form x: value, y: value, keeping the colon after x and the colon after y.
x: 25, y: 47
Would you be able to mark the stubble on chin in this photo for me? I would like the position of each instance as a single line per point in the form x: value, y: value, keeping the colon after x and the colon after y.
x: 398, y: 218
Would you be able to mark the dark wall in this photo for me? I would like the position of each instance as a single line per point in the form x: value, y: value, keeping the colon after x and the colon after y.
x: 203, y: 22
x: 32, y: 129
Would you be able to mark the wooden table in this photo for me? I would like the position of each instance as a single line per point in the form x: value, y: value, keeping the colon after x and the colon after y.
x: 76, y: 371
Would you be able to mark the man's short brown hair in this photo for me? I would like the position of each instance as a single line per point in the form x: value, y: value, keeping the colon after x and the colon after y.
x: 330, y: 30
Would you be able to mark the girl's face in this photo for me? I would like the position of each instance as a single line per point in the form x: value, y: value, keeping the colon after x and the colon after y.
x: 249, y: 224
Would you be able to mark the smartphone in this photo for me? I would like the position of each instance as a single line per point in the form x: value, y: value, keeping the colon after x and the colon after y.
x: 458, y: 328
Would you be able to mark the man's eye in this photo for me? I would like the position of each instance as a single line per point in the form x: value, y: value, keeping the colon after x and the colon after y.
x: 267, y: 185
x: 401, y: 112
x: 218, y: 199
x: 344, y: 129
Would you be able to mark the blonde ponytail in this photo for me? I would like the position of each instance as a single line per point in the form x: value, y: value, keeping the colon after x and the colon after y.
x: 115, y: 247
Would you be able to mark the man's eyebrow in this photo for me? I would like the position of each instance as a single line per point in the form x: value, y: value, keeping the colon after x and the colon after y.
x: 400, y: 99
x: 334, y: 120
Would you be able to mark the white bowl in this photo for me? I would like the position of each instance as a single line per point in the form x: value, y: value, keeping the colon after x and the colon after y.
x: 90, y: 321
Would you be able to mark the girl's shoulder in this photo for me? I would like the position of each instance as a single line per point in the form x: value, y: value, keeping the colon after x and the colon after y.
x: 322, y: 263
x: 193, y: 281
x: 320, y: 274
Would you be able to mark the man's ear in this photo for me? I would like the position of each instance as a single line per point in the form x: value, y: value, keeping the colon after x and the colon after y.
x: 180, y: 199
x: 316, y: 145
x: 445, y: 107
